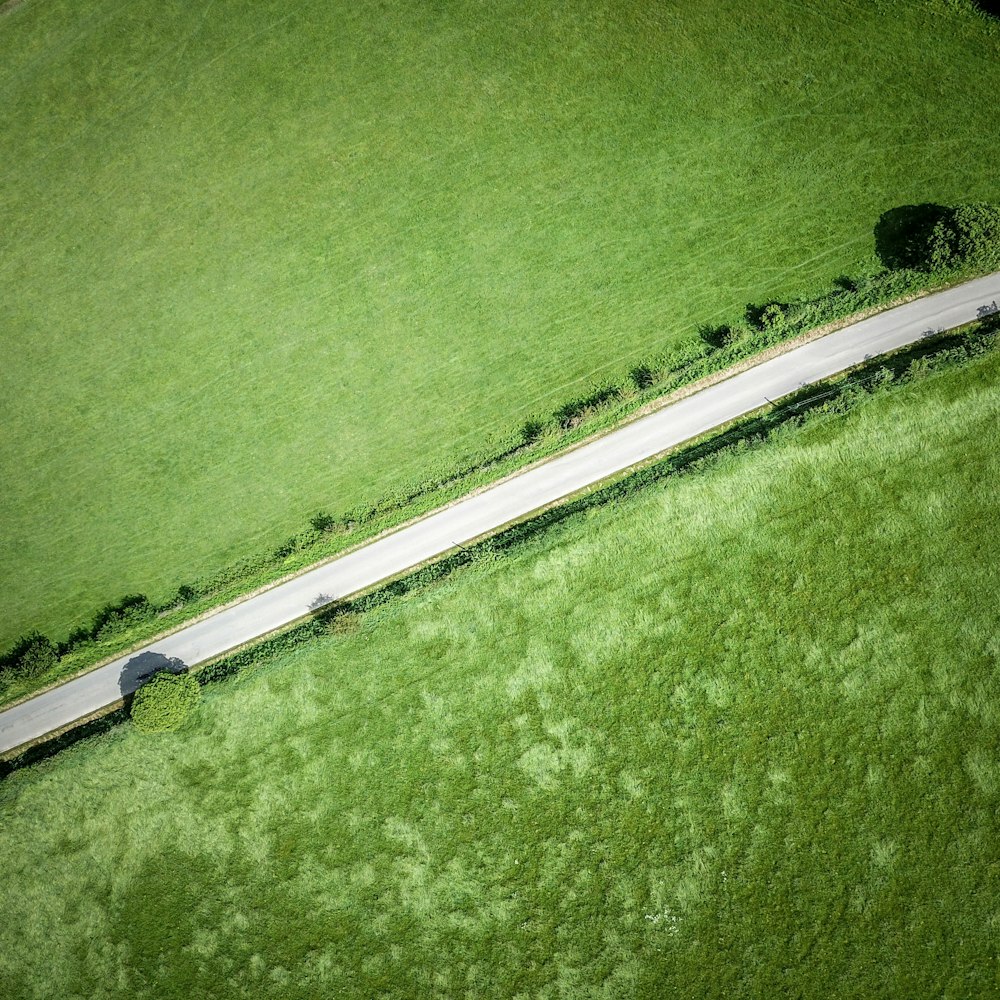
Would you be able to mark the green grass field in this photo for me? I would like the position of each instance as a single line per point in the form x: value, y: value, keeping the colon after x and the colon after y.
x: 260, y: 260
x: 735, y: 736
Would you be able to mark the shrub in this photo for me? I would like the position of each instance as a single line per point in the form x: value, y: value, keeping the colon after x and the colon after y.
x: 574, y: 413
x: 643, y: 377
x: 531, y: 431
x: 30, y: 657
x: 323, y: 522
x: 164, y: 702
x: 968, y: 236
x: 289, y: 548
x: 114, y: 618
x: 718, y: 336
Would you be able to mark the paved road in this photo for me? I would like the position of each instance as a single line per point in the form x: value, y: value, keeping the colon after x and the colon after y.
x: 486, y: 511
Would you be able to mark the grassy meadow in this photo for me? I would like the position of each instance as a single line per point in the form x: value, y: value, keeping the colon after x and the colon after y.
x: 734, y: 736
x: 260, y: 260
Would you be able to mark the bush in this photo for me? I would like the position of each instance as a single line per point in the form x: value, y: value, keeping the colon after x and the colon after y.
x: 164, y: 702
x: 30, y: 657
x: 643, y: 377
x: 531, y: 431
x: 574, y: 413
x: 968, y: 236
x: 115, y: 618
x: 720, y: 336
x: 322, y: 522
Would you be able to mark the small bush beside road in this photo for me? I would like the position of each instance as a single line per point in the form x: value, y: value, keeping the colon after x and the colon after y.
x: 164, y: 703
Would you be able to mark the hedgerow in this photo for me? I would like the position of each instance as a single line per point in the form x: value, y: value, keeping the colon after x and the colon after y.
x: 965, y: 240
x: 811, y: 404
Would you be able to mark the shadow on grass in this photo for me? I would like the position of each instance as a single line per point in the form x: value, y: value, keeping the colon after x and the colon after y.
x: 49, y: 749
x: 902, y: 235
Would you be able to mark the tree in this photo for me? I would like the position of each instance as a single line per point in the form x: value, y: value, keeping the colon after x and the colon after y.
x: 968, y: 236
x: 165, y: 702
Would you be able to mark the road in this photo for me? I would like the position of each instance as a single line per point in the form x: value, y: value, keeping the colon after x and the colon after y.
x: 498, y: 505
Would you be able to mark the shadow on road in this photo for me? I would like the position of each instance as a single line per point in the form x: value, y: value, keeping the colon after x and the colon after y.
x: 140, y: 668
x: 320, y: 601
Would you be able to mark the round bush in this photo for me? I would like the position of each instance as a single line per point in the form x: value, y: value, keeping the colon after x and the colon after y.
x: 969, y: 236
x: 162, y: 704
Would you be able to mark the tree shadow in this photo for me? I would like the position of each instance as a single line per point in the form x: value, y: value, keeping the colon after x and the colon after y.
x: 991, y: 7
x: 141, y: 668
x: 320, y: 601
x: 902, y: 235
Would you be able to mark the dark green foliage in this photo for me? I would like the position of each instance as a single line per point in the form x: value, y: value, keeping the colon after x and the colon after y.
x: 967, y: 237
x: 163, y: 703
x: 720, y: 335
x: 288, y: 548
x: 772, y: 317
x: 322, y: 522
x: 902, y: 235
x: 939, y: 240
x: 572, y: 414
x: 531, y: 431
x: 115, y: 618
x: 643, y: 377
x: 31, y: 656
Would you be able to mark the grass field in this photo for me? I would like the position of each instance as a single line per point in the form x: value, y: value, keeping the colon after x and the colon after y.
x: 736, y: 736
x: 258, y: 260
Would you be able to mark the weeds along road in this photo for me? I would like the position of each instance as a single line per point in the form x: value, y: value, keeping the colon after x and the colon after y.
x: 488, y: 510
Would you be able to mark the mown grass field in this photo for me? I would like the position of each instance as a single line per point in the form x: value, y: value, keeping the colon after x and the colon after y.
x: 260, y: 260
x: 735, y: 736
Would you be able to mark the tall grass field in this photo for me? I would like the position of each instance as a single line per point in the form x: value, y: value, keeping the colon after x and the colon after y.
x: 734, y: 736
x: 261, y: 259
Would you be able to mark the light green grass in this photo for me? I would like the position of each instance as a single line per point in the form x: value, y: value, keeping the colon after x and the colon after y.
x: 736, y: 736
x: 259, y: 260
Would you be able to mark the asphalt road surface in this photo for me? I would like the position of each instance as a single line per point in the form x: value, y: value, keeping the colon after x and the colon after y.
x: 488, y: 510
